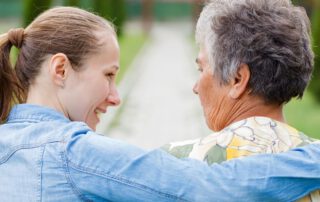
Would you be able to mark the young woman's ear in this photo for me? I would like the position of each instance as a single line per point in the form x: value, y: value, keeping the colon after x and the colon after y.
x: 59, y: 67
x: 240, y: 82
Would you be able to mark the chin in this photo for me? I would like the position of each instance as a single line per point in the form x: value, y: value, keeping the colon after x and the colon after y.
x: 214, y: 129
x: 92, y: 126
x: 212, y: 126
x: 92, y: 123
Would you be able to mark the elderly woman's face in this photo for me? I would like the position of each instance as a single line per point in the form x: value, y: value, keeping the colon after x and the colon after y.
x: 93, y: 89
x: 213, y: 96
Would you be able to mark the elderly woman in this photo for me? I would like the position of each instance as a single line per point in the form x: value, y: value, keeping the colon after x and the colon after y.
x: 254, y: 57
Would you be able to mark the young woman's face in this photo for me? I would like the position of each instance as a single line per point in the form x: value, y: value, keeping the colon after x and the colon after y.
x: 92, y: 90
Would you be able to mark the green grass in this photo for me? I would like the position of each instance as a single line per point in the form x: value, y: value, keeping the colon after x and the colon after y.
x: 304, y: 115
x: 130, y: 44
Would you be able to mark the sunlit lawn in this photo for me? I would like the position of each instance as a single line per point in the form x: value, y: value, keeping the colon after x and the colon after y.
x: 304, y: 115
x: 130, y: 44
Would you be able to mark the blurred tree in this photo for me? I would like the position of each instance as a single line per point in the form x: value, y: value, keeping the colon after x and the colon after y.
x: 113, y: 10
x: 313, y: 10
x: 315, y: 82
x: 147, y: 14
x: 196, y: 10
x: 102, y: 7
x: 75, y: 3
x: 32, y: 8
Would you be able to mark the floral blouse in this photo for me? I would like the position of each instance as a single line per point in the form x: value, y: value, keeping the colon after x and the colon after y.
x: 254, y: 135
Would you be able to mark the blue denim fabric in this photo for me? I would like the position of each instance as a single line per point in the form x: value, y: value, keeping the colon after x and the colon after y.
x: 46, y: 157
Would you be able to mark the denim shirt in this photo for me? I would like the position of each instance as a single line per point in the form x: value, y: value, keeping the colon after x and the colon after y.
x: 46, y: 157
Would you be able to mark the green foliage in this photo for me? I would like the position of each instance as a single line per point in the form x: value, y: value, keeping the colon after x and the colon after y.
x: 304, y: 115
x: 113, y: 10
x: 102, y: 7
x: 74, y: 3
x: 10, y: 9
x: 172, y: 10
x: 32, y: 8
x: 315, y: 82
x: 130, y: 44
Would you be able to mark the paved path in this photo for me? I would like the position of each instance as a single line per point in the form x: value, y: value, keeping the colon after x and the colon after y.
x: 158, y: 104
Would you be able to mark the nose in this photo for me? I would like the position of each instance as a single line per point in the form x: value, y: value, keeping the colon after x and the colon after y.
x: 195, y: 88
x: 113, y: 97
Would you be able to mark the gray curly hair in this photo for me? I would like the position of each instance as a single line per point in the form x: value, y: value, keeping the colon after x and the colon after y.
x: 271, y: 36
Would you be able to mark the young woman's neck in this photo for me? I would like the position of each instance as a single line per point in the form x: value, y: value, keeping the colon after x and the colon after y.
x: 45, y: 96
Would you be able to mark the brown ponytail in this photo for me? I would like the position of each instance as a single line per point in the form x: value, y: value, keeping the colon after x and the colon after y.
x: 11, y: 91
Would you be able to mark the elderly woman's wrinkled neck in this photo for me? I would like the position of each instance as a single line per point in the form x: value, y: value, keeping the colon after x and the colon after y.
x: 230, y: 111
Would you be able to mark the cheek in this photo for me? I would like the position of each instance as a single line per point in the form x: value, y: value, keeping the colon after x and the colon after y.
x: 206, y: 90
x: 77, y: 109
x: 92, y: 97
x: 212, y: 98
x: 104, y: 90
x: 99, y: 90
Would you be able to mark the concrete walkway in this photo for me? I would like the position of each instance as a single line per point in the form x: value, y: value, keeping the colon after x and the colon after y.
x: 158, y: 105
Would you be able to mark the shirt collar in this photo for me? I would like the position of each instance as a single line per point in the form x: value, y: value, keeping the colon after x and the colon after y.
x: 35, y: 113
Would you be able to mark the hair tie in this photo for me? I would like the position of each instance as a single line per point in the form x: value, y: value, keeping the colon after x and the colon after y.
x: 15, y: 37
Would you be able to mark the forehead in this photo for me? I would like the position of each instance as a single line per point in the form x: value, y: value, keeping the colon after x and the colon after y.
x: 202, y: 54
x: 107, y: 38
x: 107, y: 54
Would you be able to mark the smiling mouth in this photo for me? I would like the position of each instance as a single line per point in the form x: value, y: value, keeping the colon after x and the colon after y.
x: 100, y: 111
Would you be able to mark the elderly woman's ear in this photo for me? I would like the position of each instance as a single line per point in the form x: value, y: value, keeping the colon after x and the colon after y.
x: 240, y: 82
